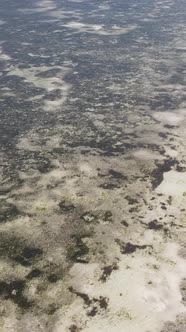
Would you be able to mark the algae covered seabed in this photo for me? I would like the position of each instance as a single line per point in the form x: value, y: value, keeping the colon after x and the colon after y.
x: 93, y: 166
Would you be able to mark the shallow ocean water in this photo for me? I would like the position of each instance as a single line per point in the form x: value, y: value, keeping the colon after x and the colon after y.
x: 93, y: 165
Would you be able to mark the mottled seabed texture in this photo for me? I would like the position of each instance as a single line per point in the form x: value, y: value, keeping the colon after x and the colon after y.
x: 93, y: 165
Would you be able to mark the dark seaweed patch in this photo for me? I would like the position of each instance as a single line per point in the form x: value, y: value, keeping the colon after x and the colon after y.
x: 13, y: 290
x: 157, y: 174
x: 130, y: 248
x: 44, y: 165
x: 66, y: 206
x: 103, y: 302
x: 93, y: 304
x: 170, y: 126
x: 117, y: 175
x: 52, y: 278
x: 74, y: 328
x: 35, y: 273
x: 109, y: 186
x: 28, y: 255
x: 169, y: 201
x: 154, y: 225
x: 180, y: 168
x: 107, y: 270
x: 92, y: 312
x: 131, y: 200
x: 10, y: 246
x: 77, y: 250
x: 163, y: 135
x: 7, y: 211
x: 83, y: 296
x: 108, y: 216
x: 52, y: 309
x: 124, y: 223
x: 134, y: 209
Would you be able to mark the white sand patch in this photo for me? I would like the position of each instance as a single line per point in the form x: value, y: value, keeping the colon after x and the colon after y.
x: 59, y: 14
x: 171, y: 153
x: 99, y: 29
x: 88, y: 170
x: 116, y: 87
x: 42, y: 201
x: 138, y: 297
x: 147, y: 155
x: 25, y: 143
x: 169, y: 118
x: 3, y: 55
x: 33, y: 142
x: 174, y: 184
x: 35, y: 98
x: 53, y: 105
x: 104, y: 7
x: 54, y: 177
x: 75, y: 0
x: 33, y: 76
x: 41, y: 7
x: 88, y: 272
x: 47, y: 5
x: 81, y: 26
x: 30, y: 75
x: 28, y: 11
x: 8, y: 94
x: 116, y: 30
x: 38, y: 55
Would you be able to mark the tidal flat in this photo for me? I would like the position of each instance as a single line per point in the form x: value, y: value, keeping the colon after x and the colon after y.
x: 92, y: 166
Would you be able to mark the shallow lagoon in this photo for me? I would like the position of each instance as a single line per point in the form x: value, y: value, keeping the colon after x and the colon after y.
x: 93, y: 166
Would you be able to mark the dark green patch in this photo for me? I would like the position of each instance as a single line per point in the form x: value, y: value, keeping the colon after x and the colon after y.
x: 157, y: 174
x: 154, y: 225
x: 35, y: 273
x: 13, y: 290
x: 103, y: 302
x: 169, y: 201
x: 117, y: 175
x: 163, y: 135
x: 92, y: 312
x: 7, y: 211
x: 129, y: 248
x: 14, y: 249
x: 109, y: 186
x: 83, y: 296
x: 53, y: 278
x: 124, y: 223
x: 28, y: 256
x: 108, y: 216
x: 131, y: 200
x: 107, y: 270
x: 180, y: 169
x: 52, y: 309
x: 134, y: 209
x: 74, y: 328
x: 77, y: 250
x: 10, y: 246
x: 94, y: 303
x: 170, y: 126
x: 66, y: 206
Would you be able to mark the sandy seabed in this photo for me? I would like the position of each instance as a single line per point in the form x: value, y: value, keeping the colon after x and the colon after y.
x: 93, y: 166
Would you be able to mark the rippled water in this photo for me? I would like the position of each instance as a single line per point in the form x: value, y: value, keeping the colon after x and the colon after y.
x: 92, y: 116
